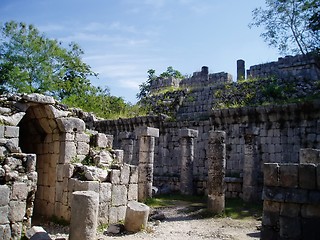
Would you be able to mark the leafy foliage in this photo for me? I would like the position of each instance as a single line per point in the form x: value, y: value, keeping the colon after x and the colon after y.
x: 290, y: 25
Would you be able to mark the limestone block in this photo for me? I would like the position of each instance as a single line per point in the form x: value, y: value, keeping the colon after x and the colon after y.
x: 288, y: 175
x: 95, y: 174
x: 4, y: 196
x: 101, y: 140
x: 82, y: 148
x: 290, y: 209
x: 134, y: 176
x: 19, y: 191
x: 136, y: 216
x: 17, y: 211
x: 16, y: 230
x: 68, y: 152
x: 290, y: 228
x: 54, y: 113
x: 11, y: 132
x: 37, y: 233
x: 31, y: 162
x: 133, y: 192
x: 308, y: 155
x: 84, y: 215
x: 38, y: 98
x: 2, y: 131
x: 82, y: 137
x: 307, y: 176
x: 12, y: 120
x: 310, y: 211
x: 125, y: 174
x: 103, y: 212
x: 271, y: 174
x: 115, y: 176
x: 118, y: 156
x: 188, y: 133
x: 71, y: 124
x: 119, y: 195
x: 84, y: 185
x: 147, y: 131
x: 121, y: 212
x: 105, y: 192
x: 5, y: 231
x: 4, y: 212
x: 66, y: 137
x: 113, y: 215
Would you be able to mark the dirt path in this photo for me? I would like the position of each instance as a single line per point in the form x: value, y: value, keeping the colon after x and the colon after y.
x: 185, y: 222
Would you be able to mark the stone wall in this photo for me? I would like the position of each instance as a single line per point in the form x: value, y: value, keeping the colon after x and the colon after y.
x: 18, y: 185
x: 279, y: 131
x: 291, y: 208
x: 289, y: 67
x: 46, y: 153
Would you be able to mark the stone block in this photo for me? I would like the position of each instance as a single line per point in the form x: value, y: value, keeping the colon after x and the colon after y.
x: 217, y: 137
x: 309, y: 155
x: 188, y: 133
x: 17, y: 211
x: 290, y: 210
x: 147, y: 131
x: 119, y: 195
x: 4, y: 213
x: 4, y: 196
x: 133, y: 192
x: 113, y: 215
x: 115, y: 176
x: 271, y: 174
x: 121, y: 213
x: 310, y: 210
x: 103, y: 212
x: 5, y: 232
x: 105, y: 192
x: 85, y: 185
x: 289, y: 175
x: 268, y: 233
x: 307, y: 176
x: 82, y: 148
x: 19, y: 191
x: 82, y: 137
x: 71, y: 124
x: 125, y: 174
x: 37, y: 233
x: 11, y: 132
x: 290, y: 228
x: 68, y: 152
x: 273, y: 194
x: 2, y: 131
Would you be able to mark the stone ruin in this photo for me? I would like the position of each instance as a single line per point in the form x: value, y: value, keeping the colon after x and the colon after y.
x: 48, y: 152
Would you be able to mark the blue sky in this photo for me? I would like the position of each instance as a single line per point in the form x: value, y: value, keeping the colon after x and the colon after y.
x: 122, y: 39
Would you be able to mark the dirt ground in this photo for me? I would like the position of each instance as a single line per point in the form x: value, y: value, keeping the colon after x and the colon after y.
x: 184, y: 222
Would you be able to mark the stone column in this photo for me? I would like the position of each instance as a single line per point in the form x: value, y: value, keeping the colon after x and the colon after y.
x: 216, y: 171
x: 84, y: 215
x: 187, y: 155
x: 241, y: 69
x: 250, y: 190
x: 146, y: 137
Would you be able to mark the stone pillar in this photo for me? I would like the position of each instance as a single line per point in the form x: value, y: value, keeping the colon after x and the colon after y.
x: 146, y: 137
x: 251, y: 168
x: 127, y: 142
x: 241, y: 69
x: 187, y: 155
x: 136, y: 216
x: 84, y: 215
x: 216, y: 171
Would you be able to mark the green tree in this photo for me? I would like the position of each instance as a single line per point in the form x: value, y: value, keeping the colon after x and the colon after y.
x: 145, y: 87
x: 31, y: 62
x: 290, y: 25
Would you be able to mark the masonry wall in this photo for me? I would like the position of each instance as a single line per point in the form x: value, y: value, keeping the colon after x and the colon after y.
x: 291, y: 208
x: 280, y: 132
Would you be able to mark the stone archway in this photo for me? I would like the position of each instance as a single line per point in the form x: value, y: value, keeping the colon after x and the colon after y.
x: 40, y: 134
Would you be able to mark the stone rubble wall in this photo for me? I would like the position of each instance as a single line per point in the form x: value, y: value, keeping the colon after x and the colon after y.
x: 18, y: 185
x: 289, y: 67
x: 291, y: 194
x: 280, y: 133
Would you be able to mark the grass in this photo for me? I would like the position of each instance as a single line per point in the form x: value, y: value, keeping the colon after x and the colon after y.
x: 235, y: 208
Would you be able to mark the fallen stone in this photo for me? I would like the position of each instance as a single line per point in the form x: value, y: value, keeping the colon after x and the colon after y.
x: 37, y: 233
x: 115, y: 229
x: 136, y: 216
x: 39, y: 98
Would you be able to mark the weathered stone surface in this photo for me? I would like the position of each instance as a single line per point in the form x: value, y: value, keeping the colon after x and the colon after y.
x: 271, y: 174
x: 99, y: 140
x: 119, y: 195
x: 147, y: 131
x: 289, y: 175
x: 12, y: 120
x: 37, y: 233
x: 5, y: 232
x: 4, y: 196
x: 71, y: 124
x: 19, y: 191
x: 136, y: 216
x: 309, y: 155
x: 307, y: 176
x: 186, y: 132
x: 84, y: 215
x: 38, y: 98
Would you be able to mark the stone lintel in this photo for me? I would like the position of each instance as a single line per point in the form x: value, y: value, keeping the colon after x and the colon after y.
x: 147, y: 132
x: 188, y: 133
x: 71, y: 124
